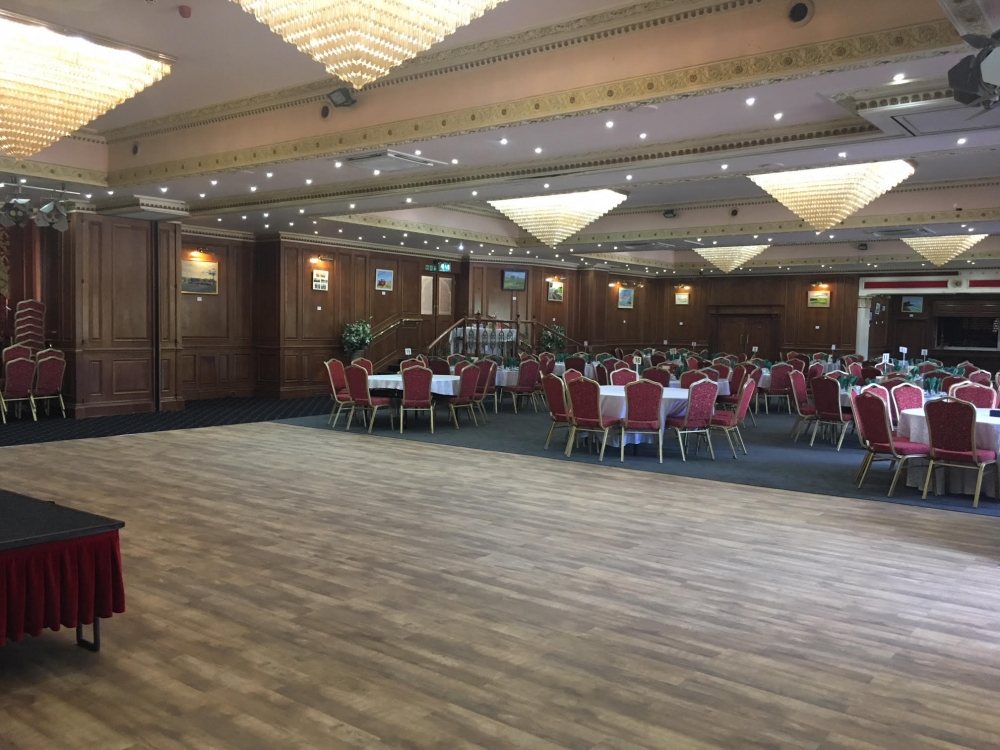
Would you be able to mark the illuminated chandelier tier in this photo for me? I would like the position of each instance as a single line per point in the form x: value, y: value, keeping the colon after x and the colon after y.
x: 728, y: 259
x: 553, y: 218
x: 940, y: 250
x: 360, y: 41
x: 826, y: 196
x: 53, y: 82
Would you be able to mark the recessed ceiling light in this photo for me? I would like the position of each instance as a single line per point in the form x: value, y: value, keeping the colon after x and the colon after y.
x: 253, y: 188
x: 831, y: 236
x: 842, y: 154
x: 628, y: 177
x: 341, y: 231
x: 454, y: 161
x: 409, y: 200
x: 201, y: 195
x: 377, y: 172
x: 219, y: 219
x: 778, y: 115
x: 538, y: 150
x: 609, y: 124
x: 417, y: 152
x: 546, y: 186
x: 475, y: 192
x: 302, y: 210
x: 725, y: 167
x: 972, y: 229
x: 406, y: 234
x: 111, y: 192
x: 756, y: 236
x: 162, y: 189
x: 899, y: 77
x: 750, y: 101
x: 962, y: 141
x: 291, y: 223
x: 244, y: 218
x: 352, y: 205
x: 309, y: 182
x: 337, y: 164
x: 265, y: 214
x: 22, y: 180
x: 642, y: 136
x: 315, y: 232
x: 87, y: 196
x: 266, y: 226
x: 503, y: 141
x: 770, y: 239
x: 214, y: 182
x: 270, y: 175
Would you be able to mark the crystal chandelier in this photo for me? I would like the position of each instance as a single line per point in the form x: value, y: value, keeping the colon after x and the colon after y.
x: 553, y: 218
x: 826, y: 196
x: 360, y: 41
x: 939, y: 250
x: 729, y: 259
x: 53, y: 81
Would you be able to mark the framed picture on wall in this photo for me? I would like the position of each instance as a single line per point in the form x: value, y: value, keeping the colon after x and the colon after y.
x: 199, y: 277
x: 682, y: 298
x: 321, y: 280
x: 819, y: 299
x: 626, y: 299
x: 383, y: 280
x: 913, y: 304
x: 515, y: 281
x: 556, y: 289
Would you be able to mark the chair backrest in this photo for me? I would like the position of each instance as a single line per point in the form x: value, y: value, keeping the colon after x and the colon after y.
x: 879, y: 390
x: 424, y: 359
x: 49, y: 373
x: 643, y: 401
x: 546, y: 355
x: 357, y: 384
x: 454, y: 358
x: 525, y: 356
x: 547, y: 365
x: 952, y: 426
x: 417, y: 385
x: 872, y: 416
x: 797, y: 364
x: 461, y: 366
x: 980, y: 396
x: 365, y: 363
x: 576, y: 363
x: 755, y: 375
x: 691, y: 377
x: 618, y: 364
x: 527, y: 373
x: 602, y: 374
x: 951, y: 380
x: 622, y: 377
x: 57, y: 353
x: 724, y: 371
x: 584, y: 398
x: 336, y: 376
x: 555, y: 395
x: 467, y: 383
x: 487, y: 376
x: 746, y: 396
x: 907, y: 396
x: 799, y: 390
x: 406, y: 364
x: 826, y: 394
x: 855, y: 368
x: 819, y: 356
x: 657, y: 358
x: 439, y: 366
x: 701, y: 404
x: 780, y: 377
x: 711, y: 373
x: 16, y: 351
x: 693, y: 363
x: 619, y: 352
x: 981, y: 376
x: 738, y: 378
x: 870, y: 373
x: 570, y: 375
x: 657, y: 375
x: 790, y: 356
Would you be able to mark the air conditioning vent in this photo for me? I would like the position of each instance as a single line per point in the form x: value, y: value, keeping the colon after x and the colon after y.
x: 390, y: 161
x: 898, y: 234
x: 650, y: 246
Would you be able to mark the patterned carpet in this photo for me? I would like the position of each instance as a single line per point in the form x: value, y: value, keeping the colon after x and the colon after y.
x: 209, y: 413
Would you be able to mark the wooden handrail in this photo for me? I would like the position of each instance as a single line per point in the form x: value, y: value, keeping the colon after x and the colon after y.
x: 391, y: 327
x: 439, y: 339
x: 579, y: 346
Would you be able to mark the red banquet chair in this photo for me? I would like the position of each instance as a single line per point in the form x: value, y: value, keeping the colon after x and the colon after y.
x: 691, y: 377
x: 697, y: 420
x: 798, y: 365
x: 657, y: 375
x: 739, y: 377
x: 467, y: 384
x: 526, y: 377
x: 585, y: 413
x: 657, y: 358
x: 805, y: 412
x: 884, y: 392
x: 780, y: 387
x: 406, y: 364
x: 365, y: 363
x: 907, y: 396
x: 618, y: 364
x: 16, y: 351
x: 881, y: 444
x: 339, y: 393
x: 729, y: 421
x: 829, y: 412
x: 602, y: 374
x: 361, y: 399
x: 555, y: 395
x: 486, y: 386
x: 572, y: 375
x: 952, y: 427
x: 643, y: 412
x: 461, y: 366
x: 983, y: 377
x: 980, y: 396
x: 439, y: 366
x: 623, y: 377
x: 18, y: 376
x: 417, y: 394
x: 951, y: 380
x: 576, y: 363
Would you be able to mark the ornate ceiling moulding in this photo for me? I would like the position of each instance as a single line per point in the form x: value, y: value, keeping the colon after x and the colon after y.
x: 728, y: 259
x: 384, y: 222
x: 896, y: 95
x: 940, y: 250
x: 222, y: 234
x: 968, y: 16
x: 311, y: 239
x: 839, y: 132
x: 553, y: 218
x: 54, y: 81
x: 634, y: 260
x: 592, y: 28
x: 913, y: 41
x: 37, y: 169
x: 826, y: 196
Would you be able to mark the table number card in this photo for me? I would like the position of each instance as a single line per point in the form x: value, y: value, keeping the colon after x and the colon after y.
x: 408, y: 352
x: 885, y: 358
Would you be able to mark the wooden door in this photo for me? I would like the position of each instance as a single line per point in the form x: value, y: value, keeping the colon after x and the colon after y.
x: 437, y: 305
x: 758, y: 333
x: 732, y: 333
x: 878, y: 329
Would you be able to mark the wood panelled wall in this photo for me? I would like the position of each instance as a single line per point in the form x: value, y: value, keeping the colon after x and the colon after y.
x: 917, y: 331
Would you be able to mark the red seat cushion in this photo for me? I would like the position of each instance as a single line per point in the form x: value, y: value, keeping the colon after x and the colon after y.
x: 903, y: 447
x: 845, y: 415
x: 678, y: 422
x: 724, y: 419
x: 381, y: 401
x: 641, y: 424
x: 593, y: 423
x: 807, y: 409
x: 728, y: 399
x: 777, y: 391
x: 519, y: 388
x: 415, y: 403
x: 343, y: 393
x: 964, y: 457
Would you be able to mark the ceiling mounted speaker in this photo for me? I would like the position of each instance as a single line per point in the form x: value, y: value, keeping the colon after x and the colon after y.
x: 16, y: 212
x: 54, y: 215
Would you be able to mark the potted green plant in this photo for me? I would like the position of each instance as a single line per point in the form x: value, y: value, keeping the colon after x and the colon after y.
x: 553, y: 339
x: 356, y: 337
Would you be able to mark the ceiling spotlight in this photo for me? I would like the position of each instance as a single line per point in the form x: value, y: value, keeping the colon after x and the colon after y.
x: 214, y: 182
x: 454, y: 161
x: 337, y: 165
x: 538, y: 150
x: 503, y: 141
x: 642, y: 136
x: 377, y: 172
x: 628, y: 177
x: 265, y: 214
x: 111, y: 192
x: 253, y: 188
x: 244, y: 218
x: 609, y: 124
x: 302, y: 210
x: 23, y: 180
x: 899, y: 77
x: 417, y: 152
x: 725, y: 167
x: 750, y: 101
x: 15, y: 212
x: 163, y: 189
x: 87, y: 196
x: 778, y: 115
x: 267, y: 226
x: 309, y: 182
x: 546, y: 186
x: 409, y: 200
x: 842, y: 154
x: 352, y: 205
x: 270, y: 175
x: 341, y: 97
x: 475, y: 192
x: 962, y: 141
x: 201, y: 195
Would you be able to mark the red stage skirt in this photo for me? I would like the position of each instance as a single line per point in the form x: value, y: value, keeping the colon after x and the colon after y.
x: 65, y: 583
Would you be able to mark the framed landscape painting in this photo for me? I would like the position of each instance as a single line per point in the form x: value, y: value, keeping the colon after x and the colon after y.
x: 556, y: 289
x: 819, y: 299
x: 913, y: 304
x: 626, y: 298
x: 199, y: 277
x: 383, y: 280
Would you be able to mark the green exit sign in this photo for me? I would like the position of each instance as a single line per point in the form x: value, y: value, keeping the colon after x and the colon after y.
x: 430, y: 267
x: 444, y: 267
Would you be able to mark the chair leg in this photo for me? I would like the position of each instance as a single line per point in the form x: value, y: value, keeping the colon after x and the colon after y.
x: 865, y: 466
x: 350, y: 418
x: 454, y: 416
x: 3, y: 410
x: 513, y: 397
x: 371, y: 422
x: 432, y: 419
x: 570, y: 441
x: 552, y: 430
x: 680, y: 442
x: 472, y: 413
x: 604, y: 443
x: 708, y: 437
x: 732, y: 447
x: 333, y: 411
x: 815, y: 427
x: 795, y: 429
x: 62, y: 405
x: 742, y: 444
x: 895, y: 477
x: 752, y: 417
x: 623, y: 444
x: 861, y: 468
x: 843, y: 431
x: 659, y: 435
x: 979, y: 485
x: 927, y: 482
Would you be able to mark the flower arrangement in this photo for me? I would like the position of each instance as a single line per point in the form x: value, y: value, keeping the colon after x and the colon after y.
x: 356, y: 336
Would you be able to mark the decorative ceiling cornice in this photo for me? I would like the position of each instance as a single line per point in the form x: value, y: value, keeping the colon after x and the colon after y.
x: 967, y: 16
x: 219, y: 234
x: 40, y: 170
x: 586, y: 29
x: 896, y: 95
x: 651, y: 155
x: 909, y: 42
x: 386, y: 222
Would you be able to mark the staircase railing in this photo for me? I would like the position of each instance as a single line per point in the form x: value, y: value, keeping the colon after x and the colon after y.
x: 384, y: 350
x: 477, y: 336
x: 570, y: 345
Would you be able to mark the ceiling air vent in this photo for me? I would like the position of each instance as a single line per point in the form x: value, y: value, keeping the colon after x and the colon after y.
x: 649, y: 246
x: 390, y: 161
x: 898, y: 234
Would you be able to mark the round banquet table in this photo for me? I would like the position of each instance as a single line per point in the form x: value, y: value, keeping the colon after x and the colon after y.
x: 589, y: 371
x: 913, y: 427
x: 507, y: 377
x: 442, y: 385
x: 673, y: 404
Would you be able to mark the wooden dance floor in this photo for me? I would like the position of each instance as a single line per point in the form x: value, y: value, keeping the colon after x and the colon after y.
x: 295, y: 588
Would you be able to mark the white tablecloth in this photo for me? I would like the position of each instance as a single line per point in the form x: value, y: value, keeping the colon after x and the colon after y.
x: 913, y: 427
x: 507, y: 378
x: 589, y: 370
x: 673, y: 404
x: 442, y: 385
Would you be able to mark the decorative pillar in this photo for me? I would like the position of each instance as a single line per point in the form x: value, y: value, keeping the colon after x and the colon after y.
x: 864, y: 314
